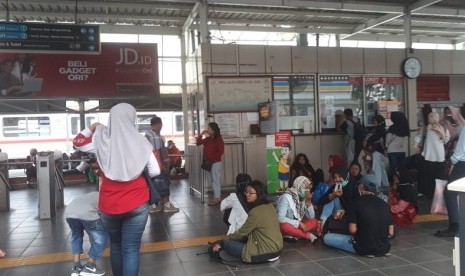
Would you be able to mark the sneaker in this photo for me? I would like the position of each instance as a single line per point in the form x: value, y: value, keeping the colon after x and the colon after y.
x: 75, y: 271
x: 156, y: 209
x: 273, y: 259
x: 170, y: 209
x: 92, y: 269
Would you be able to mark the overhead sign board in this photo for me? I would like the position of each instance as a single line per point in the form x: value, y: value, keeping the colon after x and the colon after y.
x: 121, y: 70
x: 49, y: 38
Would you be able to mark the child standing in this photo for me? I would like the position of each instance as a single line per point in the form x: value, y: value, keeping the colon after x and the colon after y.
x: 82, y: 215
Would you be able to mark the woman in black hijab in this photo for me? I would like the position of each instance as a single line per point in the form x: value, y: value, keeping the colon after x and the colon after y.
x: 378, y: 139
x: 396, y: 141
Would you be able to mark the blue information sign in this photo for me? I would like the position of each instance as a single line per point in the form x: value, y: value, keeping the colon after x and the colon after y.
x: 31, y: 37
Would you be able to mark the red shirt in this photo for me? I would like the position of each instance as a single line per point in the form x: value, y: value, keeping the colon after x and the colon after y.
x: 213, y: 149
x: 122, y: 197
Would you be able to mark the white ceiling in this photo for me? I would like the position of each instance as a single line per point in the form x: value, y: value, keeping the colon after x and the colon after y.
x: 432, y: 21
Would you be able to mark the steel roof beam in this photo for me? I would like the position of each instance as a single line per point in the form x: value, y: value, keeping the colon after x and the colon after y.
x: 384, y: 19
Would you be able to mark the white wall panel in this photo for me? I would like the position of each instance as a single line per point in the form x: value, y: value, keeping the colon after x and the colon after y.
x: 394, y: 59
x: 206, y: 55
x: 251, y: 59
x: 329, y: 60
x: 374, y: 61
x: 426, y: 59
x: 304, y: 60
x: 278, y: 59
x: 442, y: 61
x: 458, y: 62
x: 352, y: 60
x: 223, y: 59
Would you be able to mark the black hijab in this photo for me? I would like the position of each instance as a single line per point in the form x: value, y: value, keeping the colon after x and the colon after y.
x: 400, y: 125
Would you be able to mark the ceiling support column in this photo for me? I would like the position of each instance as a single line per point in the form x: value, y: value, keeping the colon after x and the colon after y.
x: 203, y: 22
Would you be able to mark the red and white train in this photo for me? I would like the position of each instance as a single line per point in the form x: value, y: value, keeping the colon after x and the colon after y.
x: 20, y: 133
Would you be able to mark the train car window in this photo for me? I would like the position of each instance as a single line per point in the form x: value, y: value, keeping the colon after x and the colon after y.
x: 26, y: 126
x: 143, y: 123
x: 179, y: 123
x: 74, y: 125
x: 90, y: 120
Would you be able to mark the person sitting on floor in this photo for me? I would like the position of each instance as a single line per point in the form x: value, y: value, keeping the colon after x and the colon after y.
x: 332, y: 199
x: 370, y: 226
x: 175, y: 157
x: 373, y: 166
x: 403, y: 199
x: 295, y: 211
x: 235, y: 207
x: 30, y: 170
x: 302, y: 167
x: 259, y: 239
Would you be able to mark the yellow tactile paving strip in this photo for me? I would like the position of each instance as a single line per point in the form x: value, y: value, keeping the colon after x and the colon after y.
x: 431, y: 217
x: 62, y: 257
x: 147, y: 247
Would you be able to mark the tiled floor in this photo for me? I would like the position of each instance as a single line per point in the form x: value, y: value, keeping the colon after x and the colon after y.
x: 415, y: 251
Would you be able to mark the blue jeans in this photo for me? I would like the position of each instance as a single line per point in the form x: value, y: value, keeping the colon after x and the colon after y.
x: 396, y: 161
x: 95, y: 230
x: 330, y: 208
x: 217, y: 169
x: 340, y: 241
x: 451, y: 196
x: 125, y: 232
x: 234, y: 248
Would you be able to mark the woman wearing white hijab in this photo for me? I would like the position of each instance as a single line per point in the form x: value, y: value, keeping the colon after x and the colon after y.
x: 122, y: 154
x: 295, y: 211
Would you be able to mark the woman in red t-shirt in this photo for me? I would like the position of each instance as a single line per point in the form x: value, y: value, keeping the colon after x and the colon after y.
x: 213, y: 149
x: 122, y: 154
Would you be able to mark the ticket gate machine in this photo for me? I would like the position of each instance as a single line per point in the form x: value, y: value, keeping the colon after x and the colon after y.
x: 4, y: 183
x: 46, y: 184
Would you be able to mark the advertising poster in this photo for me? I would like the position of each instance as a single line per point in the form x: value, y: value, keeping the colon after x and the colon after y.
x: 278, y: 161
x: 121, y: 70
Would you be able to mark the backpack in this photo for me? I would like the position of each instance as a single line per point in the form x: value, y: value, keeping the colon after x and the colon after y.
x: 320, y: 190
x: 360, y: 132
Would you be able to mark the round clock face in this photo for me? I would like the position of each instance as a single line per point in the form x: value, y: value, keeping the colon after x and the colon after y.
x: 412, y: 67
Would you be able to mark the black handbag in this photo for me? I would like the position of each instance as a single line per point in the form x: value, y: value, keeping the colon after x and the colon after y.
x: 154, y: 195
x: 207, y: 165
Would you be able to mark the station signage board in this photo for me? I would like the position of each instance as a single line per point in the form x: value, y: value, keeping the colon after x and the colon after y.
x: 49, y: 38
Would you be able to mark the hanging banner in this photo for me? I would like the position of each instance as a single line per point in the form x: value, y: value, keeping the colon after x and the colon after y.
x: 278, y: 161
x: 121, y: 70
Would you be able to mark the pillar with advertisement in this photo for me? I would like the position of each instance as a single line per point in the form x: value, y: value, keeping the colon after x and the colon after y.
x: 278, y: 161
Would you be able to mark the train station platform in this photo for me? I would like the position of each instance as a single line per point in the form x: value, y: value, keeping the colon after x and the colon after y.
x: 171, y: 242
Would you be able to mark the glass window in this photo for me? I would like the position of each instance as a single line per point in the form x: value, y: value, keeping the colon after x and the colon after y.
x: 143, y: 123
x: 171, y: 70
x: 74, y: 125
x: 294, y: 96
x: 26, y: 126
x: 171, y: 46
x: 384, y: 94
x: 338, y: 92
x: 179, y: 123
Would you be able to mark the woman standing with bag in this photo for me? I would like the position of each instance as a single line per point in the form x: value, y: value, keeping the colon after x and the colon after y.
x: 122, y: 154
x: 213, y: 149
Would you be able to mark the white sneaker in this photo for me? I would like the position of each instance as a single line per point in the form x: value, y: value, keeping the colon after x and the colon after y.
x: 170, y: 209
x: 156, y: 209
